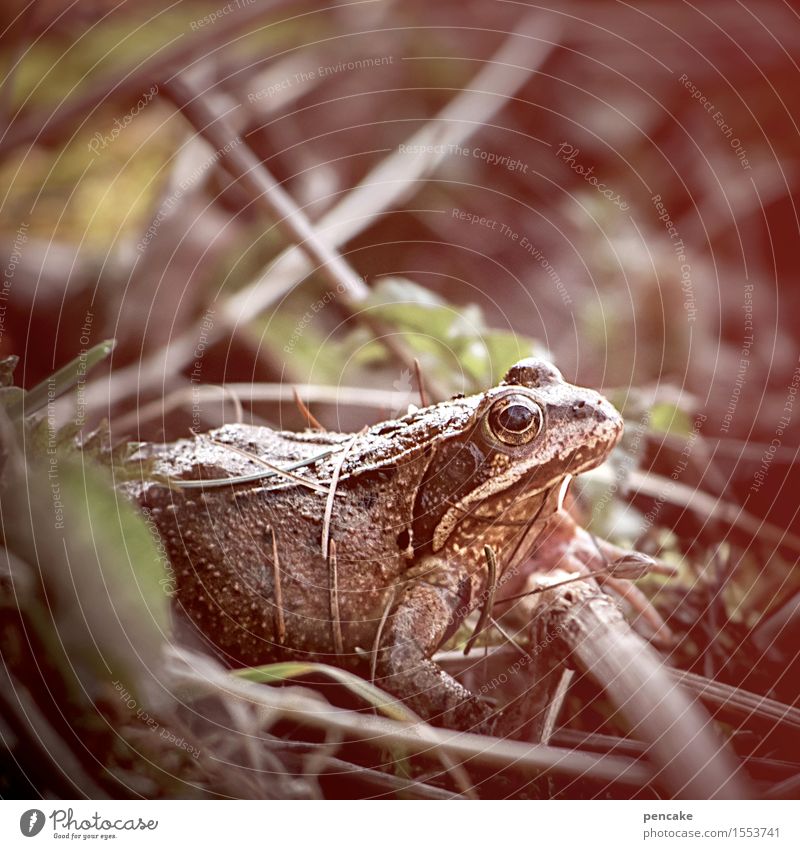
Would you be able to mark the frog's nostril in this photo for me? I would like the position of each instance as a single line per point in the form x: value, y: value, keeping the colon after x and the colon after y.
x: 579, y: 410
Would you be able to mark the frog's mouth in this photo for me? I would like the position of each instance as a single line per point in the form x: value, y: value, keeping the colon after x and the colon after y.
x: 540, y: 484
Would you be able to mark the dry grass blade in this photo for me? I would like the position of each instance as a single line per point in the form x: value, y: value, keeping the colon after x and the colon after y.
x: 276, y: 672
x: 271, y: 471
x: 337, y: 471
x: 423, y: 398
x: 196, y: 676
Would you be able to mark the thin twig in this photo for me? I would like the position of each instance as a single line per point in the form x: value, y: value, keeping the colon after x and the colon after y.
x: 44, y: 742
x: 187, y: 395
x: 488, y: 603
x: 510, y: 638
x: 373, y: 665
x: 276, y: 470
x: 642, y: 610
x: 555, y: 704
x: 629, y: 568
x: 337, y: 470
x: 24, y: 36
x: 253, y: 393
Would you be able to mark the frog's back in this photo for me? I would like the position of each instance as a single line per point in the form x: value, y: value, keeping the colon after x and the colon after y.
x: 221, y: 541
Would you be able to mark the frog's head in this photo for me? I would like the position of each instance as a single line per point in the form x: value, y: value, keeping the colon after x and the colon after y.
x: 524, y: 438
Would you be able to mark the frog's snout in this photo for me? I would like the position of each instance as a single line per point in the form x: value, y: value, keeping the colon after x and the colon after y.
x: 609, y: 418
x: 600, y: 416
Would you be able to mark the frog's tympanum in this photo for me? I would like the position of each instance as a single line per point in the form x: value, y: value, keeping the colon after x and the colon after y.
x: 381, y: 573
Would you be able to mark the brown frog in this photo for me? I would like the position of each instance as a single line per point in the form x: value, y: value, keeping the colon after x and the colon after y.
x: 386, y: 568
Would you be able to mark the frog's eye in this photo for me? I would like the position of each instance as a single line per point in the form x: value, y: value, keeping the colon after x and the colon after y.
x: 514, y: 419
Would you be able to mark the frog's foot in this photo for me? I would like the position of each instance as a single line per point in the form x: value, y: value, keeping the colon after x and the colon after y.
x: 566, y: 546
x: 418, y: 625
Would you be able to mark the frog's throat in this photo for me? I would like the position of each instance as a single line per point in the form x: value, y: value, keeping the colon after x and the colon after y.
x: 457, y: 512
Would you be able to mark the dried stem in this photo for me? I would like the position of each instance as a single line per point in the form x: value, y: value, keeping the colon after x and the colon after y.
x: 214, y: 126
x: 389, y: 184
x: 532, y: 760
x: 253, y: 175
x: 692, y: 761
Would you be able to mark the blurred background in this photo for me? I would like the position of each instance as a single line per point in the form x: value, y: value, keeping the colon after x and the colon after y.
x: 610, y: 185
x: 614, y: 186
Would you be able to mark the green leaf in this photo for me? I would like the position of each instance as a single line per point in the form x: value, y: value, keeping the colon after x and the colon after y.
x: 671, y: 419
x: 389, y: 291
x: 60, y: 381
x: 437, y: 331
x: 275, y: 673
x: 129, y: 559
x: 98, y: 605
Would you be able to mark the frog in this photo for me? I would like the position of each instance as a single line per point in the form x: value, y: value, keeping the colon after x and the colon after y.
x: 368, y: 551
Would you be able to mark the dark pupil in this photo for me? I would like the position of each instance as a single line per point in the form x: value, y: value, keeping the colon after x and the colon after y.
x: 515, y: 418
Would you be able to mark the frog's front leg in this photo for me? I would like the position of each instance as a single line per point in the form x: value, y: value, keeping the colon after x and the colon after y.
x: 429, y: 611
